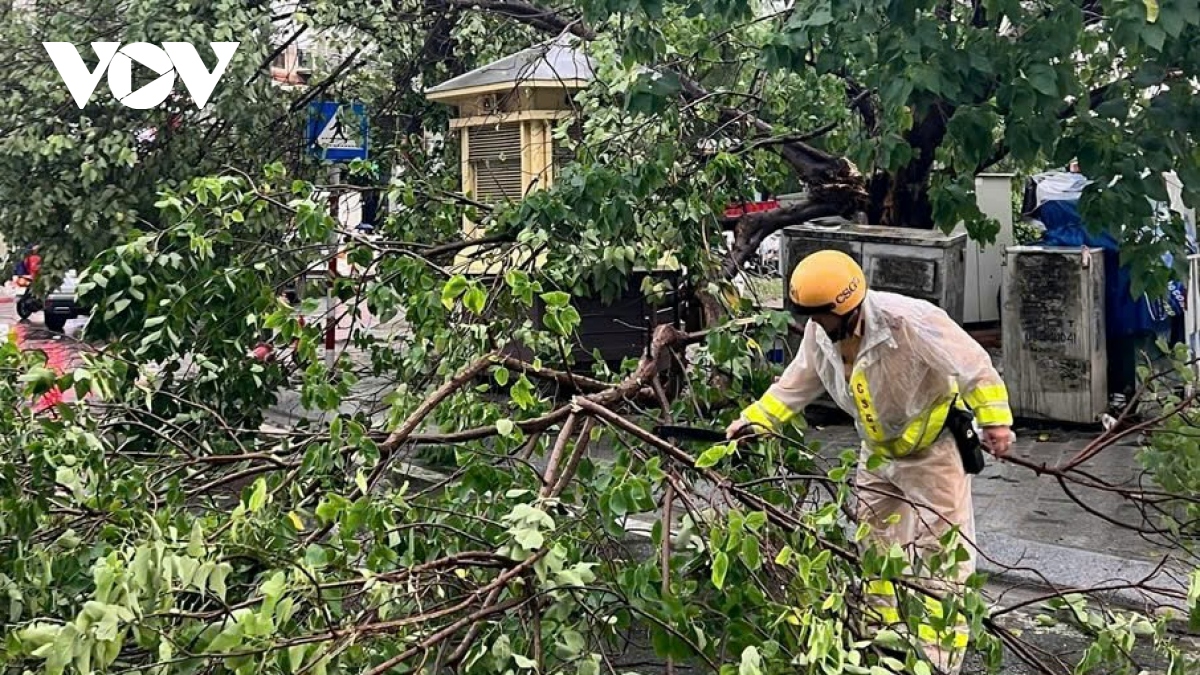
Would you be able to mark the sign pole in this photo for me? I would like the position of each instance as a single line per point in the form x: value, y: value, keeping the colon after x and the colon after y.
x: 327, y: 138
x: 335, y: 178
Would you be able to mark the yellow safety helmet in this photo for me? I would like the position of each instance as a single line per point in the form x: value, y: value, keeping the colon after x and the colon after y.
x: 828, y: 282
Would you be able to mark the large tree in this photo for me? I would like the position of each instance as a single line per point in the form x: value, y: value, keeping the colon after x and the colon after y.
x: 929, y: 94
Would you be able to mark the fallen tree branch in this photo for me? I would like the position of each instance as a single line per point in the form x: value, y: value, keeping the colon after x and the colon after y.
x: 752, y: 229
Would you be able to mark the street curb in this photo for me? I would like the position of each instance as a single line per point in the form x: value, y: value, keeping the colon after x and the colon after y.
x: 1056, y: 568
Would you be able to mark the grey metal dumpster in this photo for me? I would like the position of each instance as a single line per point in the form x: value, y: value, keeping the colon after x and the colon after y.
x: 924, y: 264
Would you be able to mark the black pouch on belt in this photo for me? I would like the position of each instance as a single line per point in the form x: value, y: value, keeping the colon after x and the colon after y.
x: 961, y: 425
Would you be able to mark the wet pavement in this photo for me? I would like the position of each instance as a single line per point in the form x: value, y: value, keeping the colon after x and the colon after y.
x: 63, y: 351
x: 1035, y: 532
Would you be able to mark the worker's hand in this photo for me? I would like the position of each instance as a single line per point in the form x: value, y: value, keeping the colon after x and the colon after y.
x: 998, y: 440
x: 738, y: 429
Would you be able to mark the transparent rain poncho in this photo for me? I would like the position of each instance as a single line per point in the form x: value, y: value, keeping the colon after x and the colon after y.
x: 912, y: 356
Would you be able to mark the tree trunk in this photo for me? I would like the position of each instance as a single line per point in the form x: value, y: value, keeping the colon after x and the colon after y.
x: 901, y: 199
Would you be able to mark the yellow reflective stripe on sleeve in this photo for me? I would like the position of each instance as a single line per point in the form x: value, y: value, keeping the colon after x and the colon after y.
x: 768, y: 412
x: 996, y: 415
x: 776, y: 408
x: 986, y: 395
x: 757, y: 416
x: 990, y: 403
x: 866, y: 407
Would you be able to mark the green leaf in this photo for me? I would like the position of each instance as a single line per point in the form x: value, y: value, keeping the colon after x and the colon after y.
x: 331, y: 507
x: 501, y: 376
x: 196, y: 541
x: 41, y: 379
x: 751, y: 663
x: 785, y: 556
x: 1154, y: 37
x: 1043, y: 78
x: 720, y: 569
x: 529, y: 538
x: 713, y: 455
x: 751, y: 554
x: 227, y: 640
x: 817, y: 18
x: 524, y: 662
x: 572, y: 643
x: 258, y: 498
x: 453, y: 288
x: 272, y: 589
x: 756, y: 520
x: 502, y: 648
x: 295, y: 656
x: 83, y: 661
x: 556, y: 299
x: 589, y: 665
x: 216, y: 580
x: 505, y: 427
x: 475, y: 299
x: 889, y: 638
x: 120, y: 306
x: 1151, y: 10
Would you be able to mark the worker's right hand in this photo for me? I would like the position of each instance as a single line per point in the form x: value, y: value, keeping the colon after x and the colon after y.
x: 737, y: 429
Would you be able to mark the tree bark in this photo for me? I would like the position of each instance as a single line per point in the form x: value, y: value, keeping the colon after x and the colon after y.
x: 901, y: 199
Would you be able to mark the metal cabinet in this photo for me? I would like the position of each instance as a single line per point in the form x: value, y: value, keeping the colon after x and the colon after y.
x: 1053, y: 317
x: 924, y: 264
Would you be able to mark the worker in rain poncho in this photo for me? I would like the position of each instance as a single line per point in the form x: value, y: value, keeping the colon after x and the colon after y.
x: 913, y: 379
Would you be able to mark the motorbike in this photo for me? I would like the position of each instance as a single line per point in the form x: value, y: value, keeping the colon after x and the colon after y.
x: 27, y: 303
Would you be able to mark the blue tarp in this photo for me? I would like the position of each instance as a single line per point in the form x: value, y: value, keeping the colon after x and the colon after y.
x: 1126, y: 316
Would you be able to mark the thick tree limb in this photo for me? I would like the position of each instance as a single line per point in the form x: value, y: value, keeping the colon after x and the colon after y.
x: 456, y: 246
x: 577, y: 382
x: 452, y: 385
x: 813, y: 165
x: 859, y: 99
x: 751, y: 229
x: 785, y: 139
x: 547, y: 20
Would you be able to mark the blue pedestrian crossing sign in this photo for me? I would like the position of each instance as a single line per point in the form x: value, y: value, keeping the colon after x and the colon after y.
x: 337, y: 131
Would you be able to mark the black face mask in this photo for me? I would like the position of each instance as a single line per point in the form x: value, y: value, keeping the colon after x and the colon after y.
x: 845, y: 327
